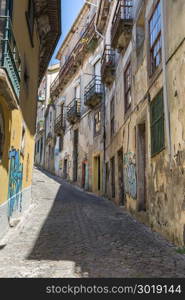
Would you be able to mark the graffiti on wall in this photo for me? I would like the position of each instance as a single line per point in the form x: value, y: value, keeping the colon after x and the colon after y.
x: 15, y: 182
x: 130, y: 181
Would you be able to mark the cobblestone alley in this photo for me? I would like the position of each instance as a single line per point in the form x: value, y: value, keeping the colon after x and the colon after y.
x: 70, y: 233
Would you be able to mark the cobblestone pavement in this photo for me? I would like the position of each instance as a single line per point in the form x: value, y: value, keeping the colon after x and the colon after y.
x: 70, y: 233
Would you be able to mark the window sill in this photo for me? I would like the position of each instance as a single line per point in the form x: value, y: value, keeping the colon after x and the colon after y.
x: 156, y: 153
x: 153, y: 77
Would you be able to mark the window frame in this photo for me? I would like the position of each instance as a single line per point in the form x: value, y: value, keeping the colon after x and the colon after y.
x: 127, y: 87
x: 30, y: 18
x: 152, y: 69
x: 97, y: 122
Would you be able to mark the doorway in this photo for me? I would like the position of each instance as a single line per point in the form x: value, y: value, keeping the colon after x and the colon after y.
x: 107, y: 179
x: 113, y: 177
x: 97, y: 174
x: 121, y: 178
x: 85, y: 176
x: 141, y: 167
x: 65, y: 169
x: 75, y: 156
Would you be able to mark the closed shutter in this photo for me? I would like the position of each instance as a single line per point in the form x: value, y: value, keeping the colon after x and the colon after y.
x: 157, y: 124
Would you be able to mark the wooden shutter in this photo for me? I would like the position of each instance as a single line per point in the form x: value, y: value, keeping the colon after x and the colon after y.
x: 157, y: 124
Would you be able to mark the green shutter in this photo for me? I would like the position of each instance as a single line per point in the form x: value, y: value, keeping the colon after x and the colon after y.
x: 157, y: 124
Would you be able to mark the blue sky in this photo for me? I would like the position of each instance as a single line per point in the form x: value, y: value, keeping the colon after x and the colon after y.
x: 70, y: 10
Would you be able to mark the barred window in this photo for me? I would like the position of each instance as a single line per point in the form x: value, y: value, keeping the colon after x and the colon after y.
x: 157, y: 124
x: 155, y: 38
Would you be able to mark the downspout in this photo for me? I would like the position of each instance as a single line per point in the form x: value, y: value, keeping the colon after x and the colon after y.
x: 165, y: 82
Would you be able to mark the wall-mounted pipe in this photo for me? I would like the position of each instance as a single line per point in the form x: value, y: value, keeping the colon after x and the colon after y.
x: 165, y: 80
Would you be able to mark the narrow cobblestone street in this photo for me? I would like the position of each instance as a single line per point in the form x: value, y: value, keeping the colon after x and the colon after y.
x: 69, y: 233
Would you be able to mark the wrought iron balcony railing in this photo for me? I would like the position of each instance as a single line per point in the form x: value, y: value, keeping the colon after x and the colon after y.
x: 60, y: 125
x: 108, y: 65
x: 122, y: 24
x: 9, y: 55
x: 93, y: 92
x: 74, y: 111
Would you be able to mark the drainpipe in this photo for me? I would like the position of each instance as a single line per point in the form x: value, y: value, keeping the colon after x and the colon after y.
x: 165, y: 82
x: 95, y: 27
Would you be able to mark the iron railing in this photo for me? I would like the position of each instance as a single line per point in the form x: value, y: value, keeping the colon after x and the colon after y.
x: 59, y: 123
x: 74, y: 109
x: 123, y: 12
x: 108, y: 59
x: 94, y: 87
x: 9, y: 54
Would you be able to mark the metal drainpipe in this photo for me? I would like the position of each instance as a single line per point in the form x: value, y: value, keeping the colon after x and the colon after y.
x: 165, y: 88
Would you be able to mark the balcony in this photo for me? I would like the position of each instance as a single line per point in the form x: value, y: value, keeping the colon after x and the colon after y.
x: 122, y: 24
x: 108, y: 65
x: 93, y: 92
x: 9, y: 57
x: 73, y: 111
x: 59, y: 125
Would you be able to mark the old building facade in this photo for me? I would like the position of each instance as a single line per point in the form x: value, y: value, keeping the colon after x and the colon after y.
x: 118, y: 98
x: 143, y: 129
x: 22, y: 65
x: 78, y: 95
x: 45, y: 119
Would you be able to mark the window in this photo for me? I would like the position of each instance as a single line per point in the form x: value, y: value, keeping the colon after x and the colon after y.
x: 157, y: 124
x: 155, y: 39
x: 10, y: 8
x: 23, y: 140
x: 38, y: 146
x: 97, y: 122
x: 3, y: 7
x: 50, y: 116
x: 112, y: 119
x: 30, y: 16
x: 128, y: 82
x: 60, y: 143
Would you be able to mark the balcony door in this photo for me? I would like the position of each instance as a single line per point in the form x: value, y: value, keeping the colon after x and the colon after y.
x: 77, y: 91
x: 97, y: 68
x: 97, y: 74
x: 3, y: 4
x: 77, y: 97
x: 6, y: 7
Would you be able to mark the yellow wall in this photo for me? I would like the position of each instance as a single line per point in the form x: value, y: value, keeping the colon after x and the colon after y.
x: 26, y: 114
